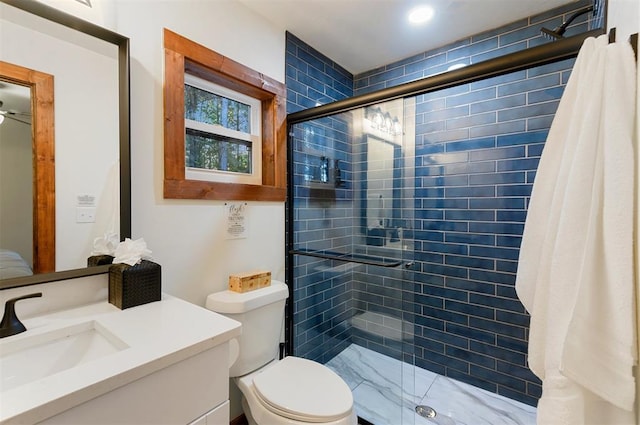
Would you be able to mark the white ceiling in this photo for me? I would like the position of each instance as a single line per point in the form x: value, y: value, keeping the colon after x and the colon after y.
x: 364, y: 34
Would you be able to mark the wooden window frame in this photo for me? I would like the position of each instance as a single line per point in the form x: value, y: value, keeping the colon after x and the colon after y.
x: 185, y: 56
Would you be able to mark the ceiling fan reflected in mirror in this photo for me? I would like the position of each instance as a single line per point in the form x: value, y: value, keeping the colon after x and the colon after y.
x: 15, y: 103
x: 22, y: 117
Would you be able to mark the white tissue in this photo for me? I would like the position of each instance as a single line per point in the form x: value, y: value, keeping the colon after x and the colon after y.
x: 132, y: 252
x: 105, y: 245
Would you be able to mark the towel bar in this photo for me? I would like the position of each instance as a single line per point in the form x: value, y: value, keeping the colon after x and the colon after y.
x: 349, y: 258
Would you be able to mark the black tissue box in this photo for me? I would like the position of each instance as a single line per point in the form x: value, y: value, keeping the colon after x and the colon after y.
x: 130, y: 286
x: 99, y: 260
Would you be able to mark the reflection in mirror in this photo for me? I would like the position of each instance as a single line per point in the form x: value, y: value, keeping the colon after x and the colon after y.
x: 90, y: 69
x: 16, y: 175
x: 27, y: 178
x: 382, y: 191
x: 383, y: 172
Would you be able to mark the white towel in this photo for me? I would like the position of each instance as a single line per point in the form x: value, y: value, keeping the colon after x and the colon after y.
x: 560, y: 402
x: 566, y: 403
x: 538, y: 243
x: 604, y: 316
x: 575, y: 272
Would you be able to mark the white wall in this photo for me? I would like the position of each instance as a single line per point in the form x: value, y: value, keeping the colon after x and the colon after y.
x: 101, y: 12
x: 187, y: 237
x: 624, y: 15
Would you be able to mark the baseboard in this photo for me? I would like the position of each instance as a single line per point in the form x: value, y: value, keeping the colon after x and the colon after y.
x: 240, y: 420
x: 363, y: 421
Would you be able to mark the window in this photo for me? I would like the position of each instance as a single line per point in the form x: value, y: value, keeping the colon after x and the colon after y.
x: 222, y: 133
x: 225, y: 132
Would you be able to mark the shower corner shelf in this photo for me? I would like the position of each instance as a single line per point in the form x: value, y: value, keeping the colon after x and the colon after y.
x: 320, y: 171
x: 349, y: 258
x: 317, y: 184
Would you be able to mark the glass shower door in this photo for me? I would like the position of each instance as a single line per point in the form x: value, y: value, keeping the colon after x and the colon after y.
x: 353, y: 242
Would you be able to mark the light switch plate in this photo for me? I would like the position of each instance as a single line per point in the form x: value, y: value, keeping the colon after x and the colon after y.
x: 85, y: 215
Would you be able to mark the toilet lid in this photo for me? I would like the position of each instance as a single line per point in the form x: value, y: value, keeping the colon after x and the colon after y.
x: 304, y: 390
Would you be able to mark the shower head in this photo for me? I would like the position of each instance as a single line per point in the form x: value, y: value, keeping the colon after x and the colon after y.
x: 558, y: 32
x: 554, y: 34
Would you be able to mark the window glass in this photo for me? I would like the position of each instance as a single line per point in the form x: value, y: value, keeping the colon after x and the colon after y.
x: 222, y: 133
x: 212, y: 152
x: 204, y: 106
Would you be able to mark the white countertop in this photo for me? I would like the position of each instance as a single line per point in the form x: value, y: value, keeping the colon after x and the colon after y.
x: 158, y: 334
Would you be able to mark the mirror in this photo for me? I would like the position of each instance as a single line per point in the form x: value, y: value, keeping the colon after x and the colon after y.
x: 90, y: 190
x: 381, y: 197
x: 385, y: 133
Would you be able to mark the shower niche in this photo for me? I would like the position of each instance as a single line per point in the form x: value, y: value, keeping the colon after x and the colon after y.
x: 321, y: 165
x: 320, y: 171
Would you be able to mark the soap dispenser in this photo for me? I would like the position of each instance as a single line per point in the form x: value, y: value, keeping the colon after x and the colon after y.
x: 337, y: 174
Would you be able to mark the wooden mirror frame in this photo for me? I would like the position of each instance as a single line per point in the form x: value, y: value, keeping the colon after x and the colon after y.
x: 122, y: 42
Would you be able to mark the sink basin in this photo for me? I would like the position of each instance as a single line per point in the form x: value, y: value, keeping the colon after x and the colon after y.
x: 35, y: 357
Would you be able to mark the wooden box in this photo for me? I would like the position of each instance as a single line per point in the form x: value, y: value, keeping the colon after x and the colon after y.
x: 244, y: 282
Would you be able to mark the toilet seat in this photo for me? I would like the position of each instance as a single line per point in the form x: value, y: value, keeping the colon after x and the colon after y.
x: 303, y: 390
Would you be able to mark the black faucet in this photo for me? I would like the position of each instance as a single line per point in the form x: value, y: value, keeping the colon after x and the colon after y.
x: 10, y: 324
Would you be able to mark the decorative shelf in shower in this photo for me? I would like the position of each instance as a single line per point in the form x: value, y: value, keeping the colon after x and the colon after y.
x: 317, y: 184
x: 320, y: 171
x: 349, y: 257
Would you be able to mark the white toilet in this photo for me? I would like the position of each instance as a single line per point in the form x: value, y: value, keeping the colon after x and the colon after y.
x: 289, y: 391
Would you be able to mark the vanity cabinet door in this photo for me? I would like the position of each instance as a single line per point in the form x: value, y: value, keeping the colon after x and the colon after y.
x: 172, y: 395
x: 217, y: 416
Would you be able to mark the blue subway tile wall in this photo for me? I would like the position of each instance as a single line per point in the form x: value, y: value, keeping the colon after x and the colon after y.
x: 313, y: 79
x: 477, y: 147
x: 323, y: 213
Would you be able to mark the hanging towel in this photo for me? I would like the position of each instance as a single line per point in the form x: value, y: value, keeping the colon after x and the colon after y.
x: 575, y: 272
x: 603, y: 318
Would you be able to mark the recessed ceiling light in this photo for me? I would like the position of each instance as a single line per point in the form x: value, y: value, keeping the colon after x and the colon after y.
x: 420, y: 14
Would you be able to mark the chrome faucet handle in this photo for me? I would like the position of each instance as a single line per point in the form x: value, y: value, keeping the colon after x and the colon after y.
x: 10, y: 324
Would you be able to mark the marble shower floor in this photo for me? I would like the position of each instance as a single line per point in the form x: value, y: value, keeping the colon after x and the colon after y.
x: 374, y: 380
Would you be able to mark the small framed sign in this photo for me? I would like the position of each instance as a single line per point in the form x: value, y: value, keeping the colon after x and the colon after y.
x: 236, y: 217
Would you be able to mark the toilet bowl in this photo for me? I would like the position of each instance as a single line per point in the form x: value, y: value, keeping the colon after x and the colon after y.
x: 296, y: 391
x: 289, y: 391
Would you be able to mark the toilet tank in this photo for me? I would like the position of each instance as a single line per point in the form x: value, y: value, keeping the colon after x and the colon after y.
x: 261, y: 313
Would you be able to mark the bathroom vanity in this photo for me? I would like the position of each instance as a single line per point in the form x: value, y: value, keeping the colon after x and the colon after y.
x: 82, y: 360
x: 165, y: 362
